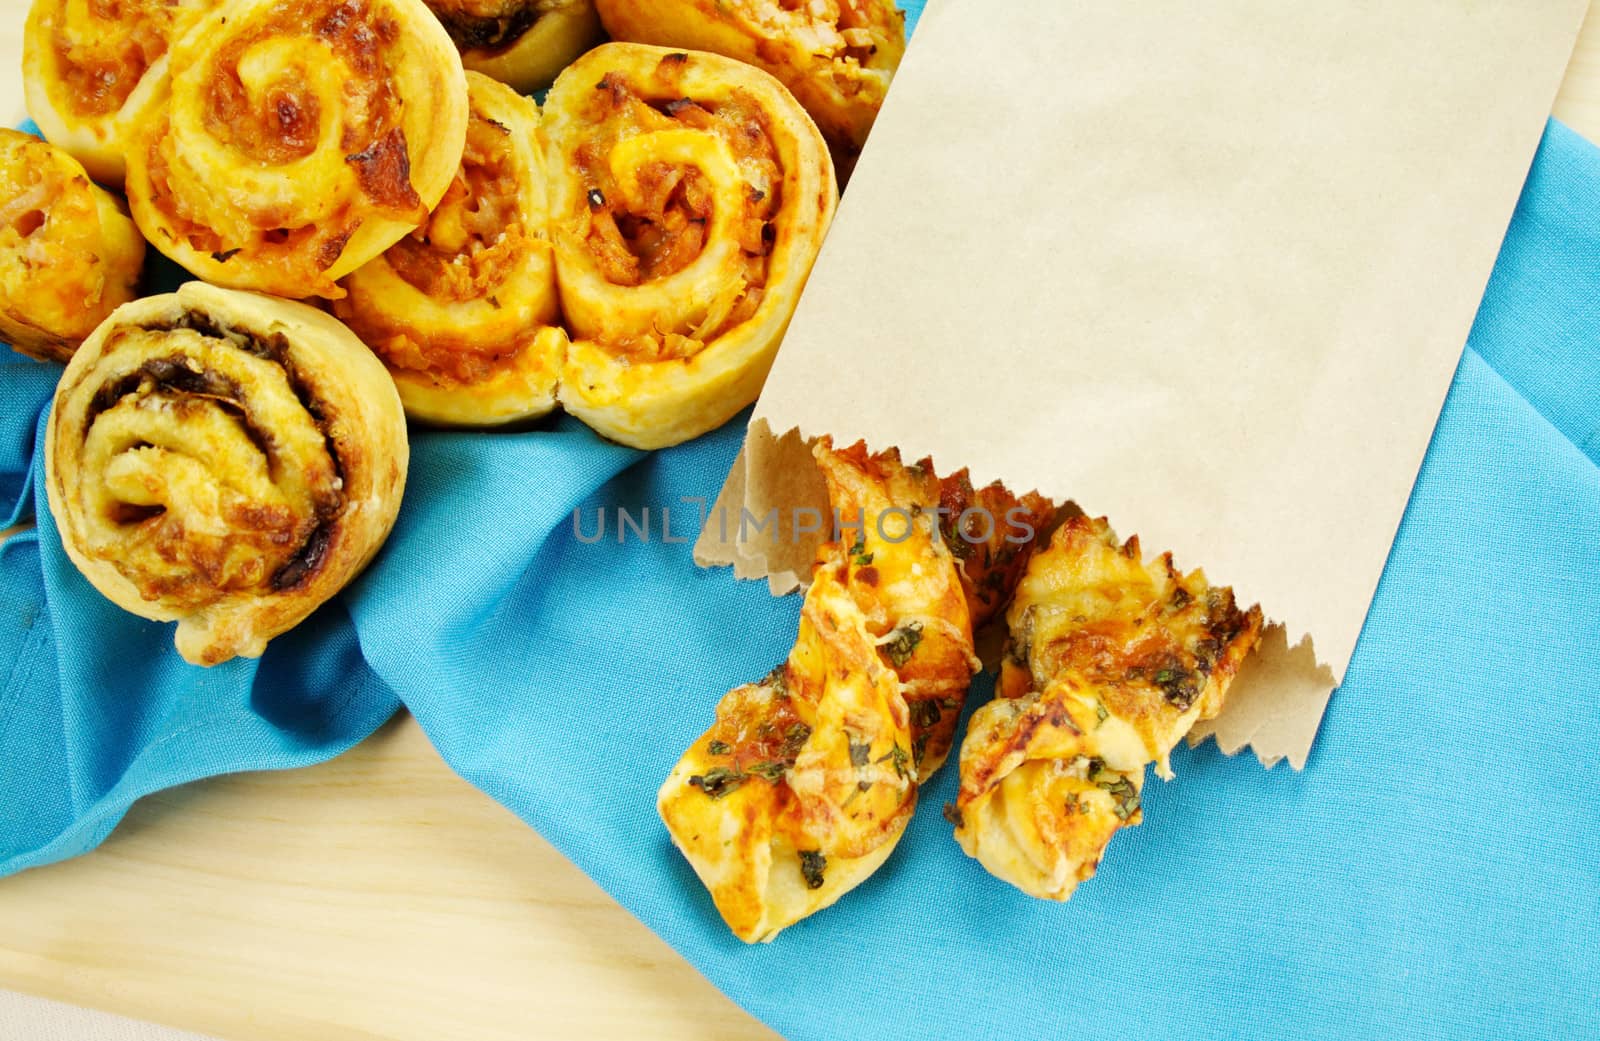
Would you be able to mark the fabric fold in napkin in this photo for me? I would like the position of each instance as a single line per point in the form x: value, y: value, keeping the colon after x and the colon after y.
x: 1433, y: 865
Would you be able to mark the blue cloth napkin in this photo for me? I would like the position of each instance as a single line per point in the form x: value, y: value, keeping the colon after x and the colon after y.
x: 1432, y: 873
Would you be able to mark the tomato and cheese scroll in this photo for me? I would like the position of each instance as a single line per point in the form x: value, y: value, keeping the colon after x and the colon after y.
x: 68, y: 252
x: 689, y: 196
x: 224, y: 460
x: 463, y: 310
x: 523, y: 43
x: 295, y: 140
x: 1111, y: 661
x: 805, y: 782
x: 89, y: 70
x: 837, y: 56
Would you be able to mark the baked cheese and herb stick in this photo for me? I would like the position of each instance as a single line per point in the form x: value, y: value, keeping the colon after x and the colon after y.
x: 804, y: 784
x: 805, y: 781
x: 1110, y: 660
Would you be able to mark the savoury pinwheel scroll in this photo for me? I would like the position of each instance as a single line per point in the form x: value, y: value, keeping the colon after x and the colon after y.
x: 295, y: 141
x: 522, y: 43
x: 225, y: 460
x: 837, y: 56
x: 805, y: 782
x: 68, y: 252
x: 463, y: 310
x: 90, y: 71
x: 1111, y: 660
x: 689, y: 196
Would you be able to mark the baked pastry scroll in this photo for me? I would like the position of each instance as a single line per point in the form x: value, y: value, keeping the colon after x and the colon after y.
x: 90, y: 68
x: 224, y: 460
x: 291, y: 142
x: 837, y: 56
x: 689, y: 195
x: 463, y: 310
x: 68, y: 252
x: 1111, y: 661
x: 522, y: 43
x: 805, y: 782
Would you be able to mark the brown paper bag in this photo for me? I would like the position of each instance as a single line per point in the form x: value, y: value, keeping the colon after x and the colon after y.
x: 1204, y: 268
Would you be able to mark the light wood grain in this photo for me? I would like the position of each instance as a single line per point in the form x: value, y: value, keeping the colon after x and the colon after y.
x: 377, y: 897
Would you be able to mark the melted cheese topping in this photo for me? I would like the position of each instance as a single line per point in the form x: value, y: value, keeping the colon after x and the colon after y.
x: 88, y: 66
x: 837, y: 56
x: 300, y: 140
x: 679, y: 195
x: 806, y: 780
x: 689, y: 197
x: 68, y: 252
x: 224, y: 460
x: 1111, y: 661
x: 463, y: 309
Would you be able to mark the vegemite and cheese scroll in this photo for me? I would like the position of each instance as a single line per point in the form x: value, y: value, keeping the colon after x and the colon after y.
x: 837, y: 56
x: 1111, y: 661
x: 463, y: 310
x: 689, y: 196
x: 295, y: 140
x: 805, y: 782
x: 89, y: 70
x: 523, y: 43
x: 225, y: 460
x: 68, y: 252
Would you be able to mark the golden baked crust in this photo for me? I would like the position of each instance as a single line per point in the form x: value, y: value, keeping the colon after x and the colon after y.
x: 1111, y: 661
x: 689, y: 195
x: 837, y: 56
x: 522, y: 43
x: 805, y: 782
x: 291, y: 141
x: 993, y: 532
x: 225, y: 460
x: 463, y: 310
x: 68, y: 252
x: 89, y: 69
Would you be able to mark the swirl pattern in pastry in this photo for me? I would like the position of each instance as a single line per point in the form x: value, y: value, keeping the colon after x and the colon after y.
x: 837, y: 56
x: 224, y: 460
x: 463, y: 310
x: 90, y: 69
x: 294, y: 140
x: 1111, y: 661
x: 689, y: 196
x: 68, y: 252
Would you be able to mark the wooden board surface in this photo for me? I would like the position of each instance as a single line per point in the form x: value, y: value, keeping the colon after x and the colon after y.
x: 375, y: 898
